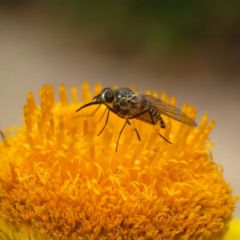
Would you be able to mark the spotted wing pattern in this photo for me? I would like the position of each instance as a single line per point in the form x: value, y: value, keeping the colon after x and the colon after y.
x: 167, y: 109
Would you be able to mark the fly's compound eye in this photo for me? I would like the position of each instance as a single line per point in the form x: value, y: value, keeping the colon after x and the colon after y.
x: 109, y: 96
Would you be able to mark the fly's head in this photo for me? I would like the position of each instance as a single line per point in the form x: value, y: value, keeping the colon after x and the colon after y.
x: 106, y: 96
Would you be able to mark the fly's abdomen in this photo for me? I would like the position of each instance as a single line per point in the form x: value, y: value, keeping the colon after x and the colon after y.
x: 156, y: 116
x: 152, y: 117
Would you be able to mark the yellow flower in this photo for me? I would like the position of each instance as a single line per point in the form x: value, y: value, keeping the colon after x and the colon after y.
x: 233, y: 232
x: 60, y: 180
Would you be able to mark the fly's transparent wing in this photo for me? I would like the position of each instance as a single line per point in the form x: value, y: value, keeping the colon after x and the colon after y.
x: 167, y: 109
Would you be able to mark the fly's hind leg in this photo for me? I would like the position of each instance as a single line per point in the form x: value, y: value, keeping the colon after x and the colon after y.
x: 162, y: 123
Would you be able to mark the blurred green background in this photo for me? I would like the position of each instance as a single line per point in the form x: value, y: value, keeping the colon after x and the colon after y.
x: 159, y: 26
x: 185, y: 30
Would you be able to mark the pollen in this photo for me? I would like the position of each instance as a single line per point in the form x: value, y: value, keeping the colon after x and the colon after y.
x: 60, y: 179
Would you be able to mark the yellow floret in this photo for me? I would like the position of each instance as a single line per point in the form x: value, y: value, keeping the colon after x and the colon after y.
x: 60, y: 180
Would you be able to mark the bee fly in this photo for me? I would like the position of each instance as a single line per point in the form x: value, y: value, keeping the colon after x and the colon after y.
x: 128, y: 105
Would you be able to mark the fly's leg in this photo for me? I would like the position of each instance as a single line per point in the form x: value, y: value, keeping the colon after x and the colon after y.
x: 134, y: 130
x: 99, y: 119
x: 127, y: 122
x: 161, y: 125
x: 89, y: 114
x: 121, y: 133
x: 148, y: 110
x: 105, y: 121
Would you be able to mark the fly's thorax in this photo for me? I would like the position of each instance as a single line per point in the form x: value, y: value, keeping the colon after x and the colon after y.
x: 122, y: 107
x: 123, y: 103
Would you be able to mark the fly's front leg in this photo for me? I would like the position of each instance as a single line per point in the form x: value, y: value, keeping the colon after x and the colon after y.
x: 99, y: 119
x: 105, y: 121
x: 121, y: 133
x: 89, y: 115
